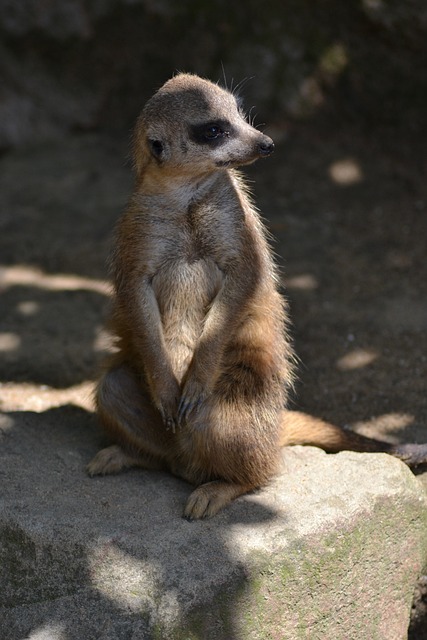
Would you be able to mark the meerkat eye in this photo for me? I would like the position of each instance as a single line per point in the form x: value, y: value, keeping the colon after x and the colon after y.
x: 213, y: 132
x: 156, y: 147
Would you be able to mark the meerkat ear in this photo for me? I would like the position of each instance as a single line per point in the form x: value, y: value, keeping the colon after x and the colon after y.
x: 140, y: 147
x: 156, y: 148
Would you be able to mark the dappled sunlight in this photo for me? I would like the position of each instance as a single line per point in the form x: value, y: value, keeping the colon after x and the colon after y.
x: 9, y: 341
x: 346, y: 172
x: 125, y: 579
x: 32, y: 397
x: 50, y: 334
x: 104, y: 341
x: 21, y: 275
x: 49, y: 632
x: 385, y: 425
x: 357, y: 359
x: 28, y: 308
x: 333, y: 61
x: 302, y: 282
x: 6, y: 423
x: 310, y: 93
x: 373, y: 5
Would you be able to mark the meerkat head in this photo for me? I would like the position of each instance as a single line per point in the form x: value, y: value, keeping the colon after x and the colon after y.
x: 193, y: 126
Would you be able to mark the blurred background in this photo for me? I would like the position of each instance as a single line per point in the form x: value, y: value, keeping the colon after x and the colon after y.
x: 342, y: 88
x: 80, y: 65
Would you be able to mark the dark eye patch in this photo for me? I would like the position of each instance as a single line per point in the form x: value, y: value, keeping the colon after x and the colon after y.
x: 212, y: 133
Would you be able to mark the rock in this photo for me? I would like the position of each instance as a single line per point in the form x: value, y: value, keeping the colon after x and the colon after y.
x: 331, y: 549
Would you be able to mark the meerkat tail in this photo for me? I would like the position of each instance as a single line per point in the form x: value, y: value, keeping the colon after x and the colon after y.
x: 300, y: 428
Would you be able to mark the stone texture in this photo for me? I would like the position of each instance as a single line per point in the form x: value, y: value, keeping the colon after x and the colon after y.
x: 332, y: 549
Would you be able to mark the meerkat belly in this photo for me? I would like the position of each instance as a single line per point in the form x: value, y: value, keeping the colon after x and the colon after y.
x: 184, y: 292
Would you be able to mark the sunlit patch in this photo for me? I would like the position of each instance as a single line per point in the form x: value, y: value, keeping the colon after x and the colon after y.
x: 346, y: 172
x: 399, y: 259
x: 333, y: 61
x: 385, y: 425
x: 104, y: 341
x: 357, y: 359
x: 32, y: 397
x: 26, y: 276
x: 6, y: 423
x: 304, y: 282
x: 121, y: 577
x: 308, y: 98
x: 373, y: 5
x: 310, y: 93
x: 28, y: 308
x: 9, y: 342
x: 50, y: 632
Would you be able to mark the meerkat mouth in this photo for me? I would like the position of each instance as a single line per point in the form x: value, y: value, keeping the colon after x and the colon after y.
x: 224, y: 164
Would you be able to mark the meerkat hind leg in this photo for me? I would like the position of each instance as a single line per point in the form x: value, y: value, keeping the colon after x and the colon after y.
x: 128, y: 416
x: 211, y: 497
x: 114, y: 459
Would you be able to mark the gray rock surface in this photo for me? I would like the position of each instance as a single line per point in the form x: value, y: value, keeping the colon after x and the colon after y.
x: 332, y: 549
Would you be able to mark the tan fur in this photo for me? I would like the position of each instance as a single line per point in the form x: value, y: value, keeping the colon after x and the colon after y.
x: 201, y: 379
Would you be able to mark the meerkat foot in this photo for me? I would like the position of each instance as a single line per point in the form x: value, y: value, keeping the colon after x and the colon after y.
x: 209, y: 498
x: 110, y: 460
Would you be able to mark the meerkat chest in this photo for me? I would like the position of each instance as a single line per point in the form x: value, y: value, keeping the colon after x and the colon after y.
x: 184, y: 287
x: 187, y: 249
x: 186, y: 280
x: 191, y: 258
x: 184, y: 291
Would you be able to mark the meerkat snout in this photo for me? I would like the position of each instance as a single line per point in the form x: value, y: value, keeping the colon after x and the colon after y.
x: 266, y: 147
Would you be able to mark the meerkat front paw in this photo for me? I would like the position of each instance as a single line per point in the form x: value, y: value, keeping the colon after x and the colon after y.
x: 193, y: 396
x: 166, y: 399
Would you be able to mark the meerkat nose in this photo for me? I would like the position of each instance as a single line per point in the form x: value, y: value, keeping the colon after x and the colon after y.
x: 266, y: 146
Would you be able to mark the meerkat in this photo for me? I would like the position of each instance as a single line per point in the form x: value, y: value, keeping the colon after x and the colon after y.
x: 200, y: 382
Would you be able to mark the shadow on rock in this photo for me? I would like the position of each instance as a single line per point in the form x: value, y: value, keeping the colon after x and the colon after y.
x: 108, y: 557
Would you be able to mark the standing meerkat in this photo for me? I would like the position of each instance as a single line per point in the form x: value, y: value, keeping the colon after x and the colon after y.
x: 200, y: 382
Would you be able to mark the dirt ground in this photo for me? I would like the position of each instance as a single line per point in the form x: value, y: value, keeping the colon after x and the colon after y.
x: 348, y: 214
